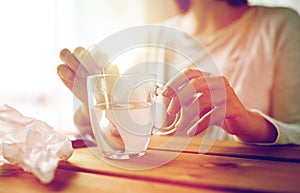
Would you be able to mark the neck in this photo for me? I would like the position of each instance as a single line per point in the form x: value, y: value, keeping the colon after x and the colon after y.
x: 207, y: 16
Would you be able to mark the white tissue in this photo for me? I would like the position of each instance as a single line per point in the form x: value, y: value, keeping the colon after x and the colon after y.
x: 31, y: 144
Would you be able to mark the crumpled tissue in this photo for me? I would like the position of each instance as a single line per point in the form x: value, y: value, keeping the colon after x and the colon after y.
x: 31, y: 144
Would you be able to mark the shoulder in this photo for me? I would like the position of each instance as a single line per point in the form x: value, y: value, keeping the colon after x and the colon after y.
x: 277, y: 23
x: 277, y: 14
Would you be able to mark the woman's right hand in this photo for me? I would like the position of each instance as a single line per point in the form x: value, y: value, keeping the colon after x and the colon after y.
x: 80, y: 64
x: 74, y: 70
x: 68, y: 71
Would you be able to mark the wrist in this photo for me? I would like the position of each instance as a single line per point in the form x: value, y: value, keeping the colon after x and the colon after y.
x: 253, y: 128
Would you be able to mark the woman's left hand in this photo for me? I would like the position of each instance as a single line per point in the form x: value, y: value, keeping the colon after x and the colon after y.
x: 213, y: 101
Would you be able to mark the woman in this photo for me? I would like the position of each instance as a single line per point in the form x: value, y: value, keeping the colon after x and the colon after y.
x: 256, y: 51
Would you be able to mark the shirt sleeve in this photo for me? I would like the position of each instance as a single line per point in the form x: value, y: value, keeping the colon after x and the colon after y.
x: 286, y: 90
x: 285, y: 104
x: 285, y: 112
x: 288, y: 133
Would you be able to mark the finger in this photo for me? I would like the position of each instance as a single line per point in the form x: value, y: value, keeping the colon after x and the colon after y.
x: 67, y: 76
x: 112, y: 69
x: 68, y: 58
x: 200, y: 81
x: 197, y: 109
x: 214, y: 85
x: 68, y: 84
x: 189, y: 92
x: 82, y: 55
x: 215, y: 117
x: 188, y: 114
x: 208, y: 83
x: 179, y: 80
x: 93, y: 60
x: 184, y: 96
x: 65, y: 73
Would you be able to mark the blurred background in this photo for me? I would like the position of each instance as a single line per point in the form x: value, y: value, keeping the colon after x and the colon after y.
x: 33, y: 32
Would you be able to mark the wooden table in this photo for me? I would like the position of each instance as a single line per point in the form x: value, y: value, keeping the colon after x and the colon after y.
x: 227, y: 167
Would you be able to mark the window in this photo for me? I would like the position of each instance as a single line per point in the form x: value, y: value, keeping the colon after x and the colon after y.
x: 33, y: 32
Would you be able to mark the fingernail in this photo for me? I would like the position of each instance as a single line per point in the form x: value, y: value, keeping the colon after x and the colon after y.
x: 63, y: 53
x: 168, y: 91
x: 178, y: 125
x: 80, y: 53
x: 171, y: 110
x: 165, y: 91
x: 65, y: 73
x: 192, y: 130
x: 189, y: 133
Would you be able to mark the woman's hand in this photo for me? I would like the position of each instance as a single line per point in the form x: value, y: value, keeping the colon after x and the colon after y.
x: 77, y: 66
x: 69, y: 70
x: 213, y: 101
x: 80, y: 64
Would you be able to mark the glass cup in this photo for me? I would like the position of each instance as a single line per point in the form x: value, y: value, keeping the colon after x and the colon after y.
x: 122, y: 113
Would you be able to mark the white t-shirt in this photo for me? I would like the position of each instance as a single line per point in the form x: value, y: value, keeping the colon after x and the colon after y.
x: 260, y: 56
